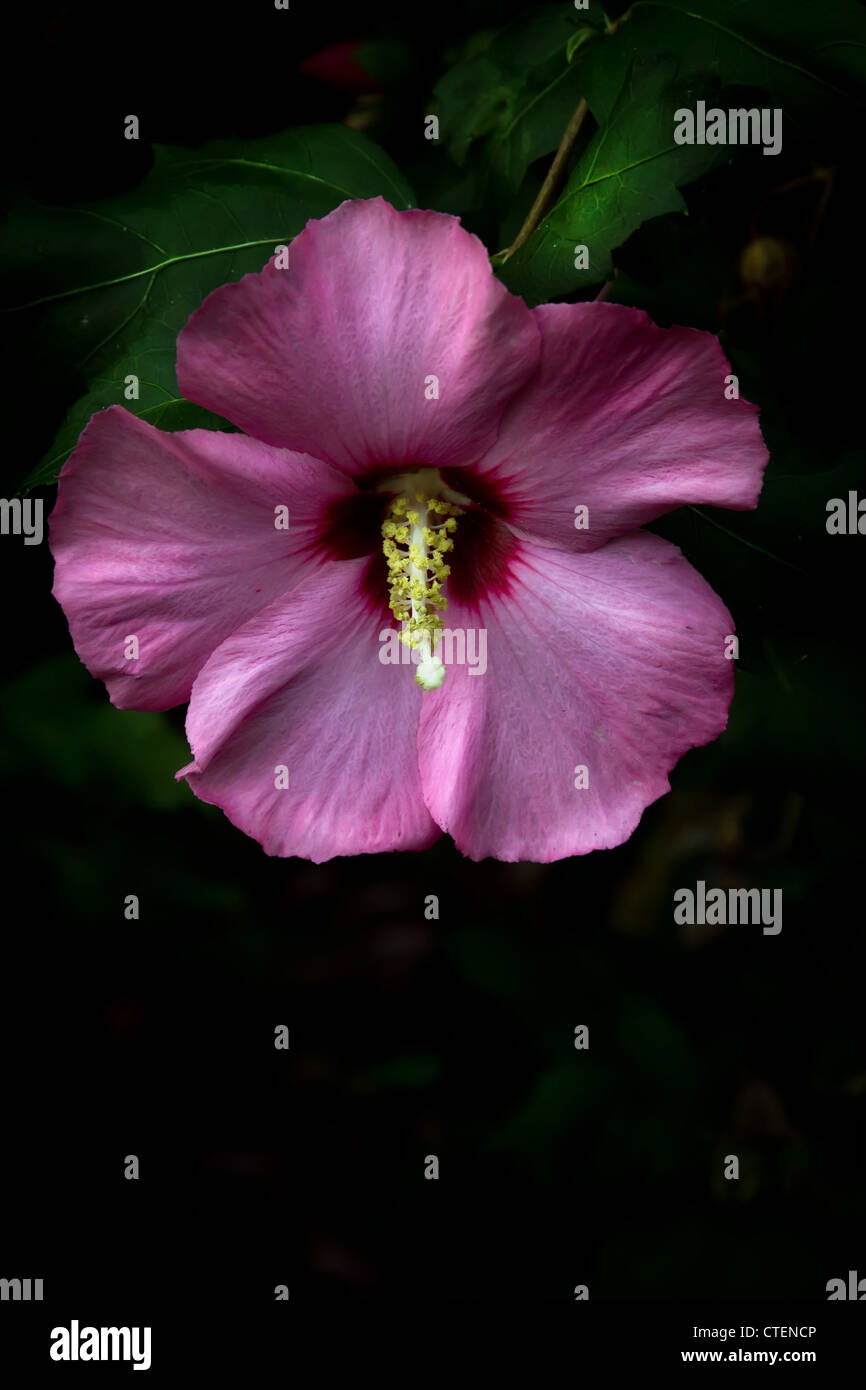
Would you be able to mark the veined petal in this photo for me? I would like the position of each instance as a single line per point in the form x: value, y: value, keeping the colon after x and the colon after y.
x: 301, y: 734
x: 387, y: 341
x: 601, y: 668
x: 625, y: 419
x: 173, y: 540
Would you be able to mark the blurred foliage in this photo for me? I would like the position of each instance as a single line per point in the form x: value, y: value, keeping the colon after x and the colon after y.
x: 37, y: 734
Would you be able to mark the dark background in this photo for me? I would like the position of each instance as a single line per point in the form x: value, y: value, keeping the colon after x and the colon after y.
x: 451, y: 1037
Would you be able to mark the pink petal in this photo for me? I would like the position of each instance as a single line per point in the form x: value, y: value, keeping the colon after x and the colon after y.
x: 625, y: 418
x: 301, y: 686
x: 171, y: 538
x: 334, y: 354
x: 612, y: 660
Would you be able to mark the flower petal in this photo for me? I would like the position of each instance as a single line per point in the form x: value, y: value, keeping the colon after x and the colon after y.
x: 613, y: 661
x: 625, y: 418
x: 301, y: 687
x: 333, y: 355
x: 172, y: 539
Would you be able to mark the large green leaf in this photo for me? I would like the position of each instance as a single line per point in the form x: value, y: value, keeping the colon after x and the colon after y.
x: 812, y: 65
x: 630, y: 171
x: 107, y: 287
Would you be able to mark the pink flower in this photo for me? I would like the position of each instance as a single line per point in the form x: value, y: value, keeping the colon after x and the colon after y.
x: 387, y: 362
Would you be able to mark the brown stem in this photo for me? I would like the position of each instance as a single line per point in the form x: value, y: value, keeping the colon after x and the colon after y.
x: 552, y: 182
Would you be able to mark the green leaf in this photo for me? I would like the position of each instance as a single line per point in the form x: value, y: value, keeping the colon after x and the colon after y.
x: 805, y: 56
x: 811, y: 63
x: 578, y: 39
x: 630, y: 171
x: 107, y: 287
x: 808, y: 59
x: 513, y: 102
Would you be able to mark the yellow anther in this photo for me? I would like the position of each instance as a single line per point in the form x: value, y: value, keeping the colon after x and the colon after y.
x: 414, y: 538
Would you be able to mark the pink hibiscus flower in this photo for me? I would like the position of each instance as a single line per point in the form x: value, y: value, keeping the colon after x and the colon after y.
x: 414, y: 437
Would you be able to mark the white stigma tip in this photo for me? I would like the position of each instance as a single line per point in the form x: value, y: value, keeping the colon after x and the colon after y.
x: 430, y: 674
